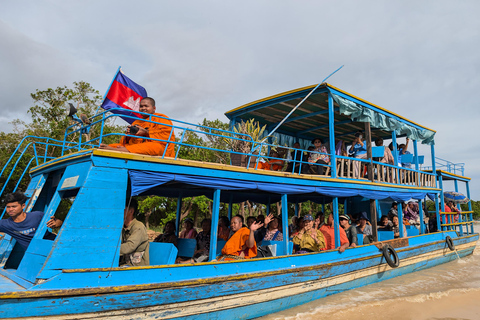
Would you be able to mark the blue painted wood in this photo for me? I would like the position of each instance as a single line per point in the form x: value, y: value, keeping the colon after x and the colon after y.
x: 377, y: 152
x: 186, y: 247
x: 336, y: 224
x: 360, y: 239
x: 285, y: 222
x: 385, y: 235
x: 214, y: 228
x: 412, y: 232
x: 220, y: 245
x: 331, y: 135
x: 6, y: 246
x: 161, y: 253
x: 280, y: 251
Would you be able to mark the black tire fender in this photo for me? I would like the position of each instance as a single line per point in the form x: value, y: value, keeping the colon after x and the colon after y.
x: 390, y: 256
x: 450, y: 243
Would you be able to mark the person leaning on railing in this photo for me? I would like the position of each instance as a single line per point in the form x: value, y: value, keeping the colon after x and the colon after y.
x: 320, y: 156
x: 145, y: 130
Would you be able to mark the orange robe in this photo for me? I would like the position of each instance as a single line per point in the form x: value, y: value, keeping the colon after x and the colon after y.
x: 237, y: 243
x: 329, y: 235
x: 270, y: 166
x: 156, y: 130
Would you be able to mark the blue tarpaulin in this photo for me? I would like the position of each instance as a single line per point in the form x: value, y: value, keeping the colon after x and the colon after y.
x: 147, y: 182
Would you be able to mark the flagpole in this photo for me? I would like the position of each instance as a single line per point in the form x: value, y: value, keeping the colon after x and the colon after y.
x: 108, y: 89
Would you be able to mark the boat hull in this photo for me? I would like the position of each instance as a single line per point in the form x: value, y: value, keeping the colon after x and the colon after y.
x: 244, y: 296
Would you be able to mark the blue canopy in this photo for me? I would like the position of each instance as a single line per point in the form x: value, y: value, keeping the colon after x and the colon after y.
x: 172, y: 185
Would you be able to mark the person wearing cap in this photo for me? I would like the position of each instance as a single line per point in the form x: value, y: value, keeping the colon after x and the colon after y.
x: 308, y: 239
x: 364, y: 228
x: 319, y: 156
x: 328, y: 231
x: 350, y: 230
x: 189, y: 232
x: 21, y: 225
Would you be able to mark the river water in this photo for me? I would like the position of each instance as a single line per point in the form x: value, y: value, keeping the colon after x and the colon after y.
x: 448, y: 291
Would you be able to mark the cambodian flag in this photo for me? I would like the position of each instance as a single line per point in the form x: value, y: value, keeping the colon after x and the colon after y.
x: 125, y: 94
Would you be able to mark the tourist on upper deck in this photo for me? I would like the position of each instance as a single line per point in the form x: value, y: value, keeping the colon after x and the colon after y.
x: 21, y: 225
x: 387, y: 154
x: 364, y: 228
x: 350, y: 230
x: 329, y: 234
x: 158, y: 128
x: 451, y: 207
x: 189, y: 232
x: 223, y: 228
x: 241, y: 244
x: 168, y: 235
x: 384, y: 224
x: 134, y: 250
x: 321, y: 158
x: 309, y: 239
x: 396, y: 228
x: 402, y: 149
x: 273, y: 234
x: 412, y: 214
x: 358, y: 150
x: 393, y: 212
x: 294, y: 158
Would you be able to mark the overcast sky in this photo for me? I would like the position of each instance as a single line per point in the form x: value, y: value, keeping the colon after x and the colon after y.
x: 199, y: 59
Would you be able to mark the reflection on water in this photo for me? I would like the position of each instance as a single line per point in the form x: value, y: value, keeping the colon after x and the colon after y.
x: 448, y: 291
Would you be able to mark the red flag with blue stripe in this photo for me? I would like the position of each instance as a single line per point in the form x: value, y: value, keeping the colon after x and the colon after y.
x: 124, y: 94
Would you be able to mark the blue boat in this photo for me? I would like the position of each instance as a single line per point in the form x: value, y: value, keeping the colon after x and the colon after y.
x: 77, y: 275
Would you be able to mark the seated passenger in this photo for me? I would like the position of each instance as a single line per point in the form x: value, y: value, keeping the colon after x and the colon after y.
x: 319, y: 220
x: 292, y: 228
x: 387, y: 154
x: 262, y: 231
x: 241, y: 244
x: 272, y: 164
x: 189, y: 232
x: 319, y: 158
x: 358, y: 150
x: 412, y: 214
x: 300, y: 225
x: 393, y: 212
x: 309, y: 239
x: 223, y: 228
x: 157, y: 129
x: 273, y: 234
x: 294, y: 158
x: 135, y: 246
x: 402, y: 149
x: 168, y: 235
x: 384, y: 224
x: 329, y: 234
x: 365, y: 228
x: 21, y: 225
x: 350, y: 230
x: 203, y: 242
x: 250, y: 220
x: 396, y: 228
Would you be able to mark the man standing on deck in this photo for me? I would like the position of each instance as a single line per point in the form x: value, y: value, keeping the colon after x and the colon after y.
x: 21, y: 225
x: 134, y: 250
x: 151, y: 127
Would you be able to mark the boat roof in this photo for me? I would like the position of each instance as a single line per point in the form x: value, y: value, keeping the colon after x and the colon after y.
x: 310, y: 120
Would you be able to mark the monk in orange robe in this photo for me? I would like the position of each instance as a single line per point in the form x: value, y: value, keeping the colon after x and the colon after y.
x: 273, y: 164
x: 242, y: 244
x: 146, y: 130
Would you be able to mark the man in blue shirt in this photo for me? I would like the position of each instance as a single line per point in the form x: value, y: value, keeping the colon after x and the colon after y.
x: 21, y: 225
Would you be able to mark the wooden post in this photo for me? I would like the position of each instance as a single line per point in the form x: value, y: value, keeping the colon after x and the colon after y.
x: 400, y: 220
x: 368, y: 137
x: 373, y: 215
x: 336, y: 222
x: 179, y: 213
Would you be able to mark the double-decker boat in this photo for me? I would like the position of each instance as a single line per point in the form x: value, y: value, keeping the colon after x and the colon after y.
x: 77, y: 275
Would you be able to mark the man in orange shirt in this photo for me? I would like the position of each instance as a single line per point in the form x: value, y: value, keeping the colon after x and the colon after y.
x: 242, y: 244
x: 158, y: 128
x: 329, y: 235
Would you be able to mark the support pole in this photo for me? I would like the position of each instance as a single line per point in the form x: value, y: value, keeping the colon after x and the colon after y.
x: 437, y: 214
x: 373, y: 215
x: 400, y: 220
x: 420, y: 213
x: 368, y: 137
x: 285, y: 223
x: 179, y: 213
x: 442, y: 202
x: 459, y: 216
x: 395, y: 154
x: 331, y: 128
x: 214, y: 229
x: 469, y: 207
x: 336, y: 222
